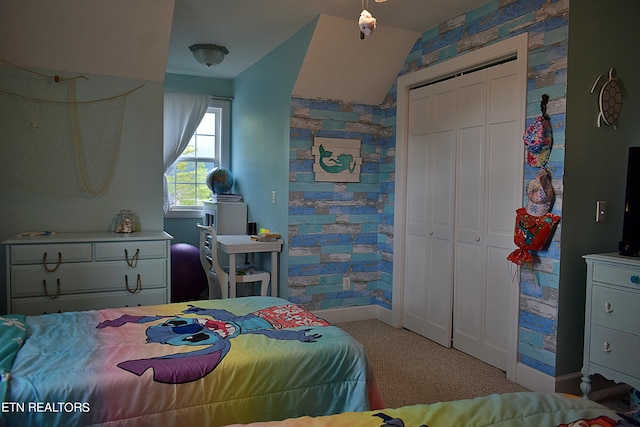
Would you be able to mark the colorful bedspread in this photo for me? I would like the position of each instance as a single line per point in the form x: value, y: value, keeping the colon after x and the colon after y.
x: 211, y: 363
x: 525, y: 409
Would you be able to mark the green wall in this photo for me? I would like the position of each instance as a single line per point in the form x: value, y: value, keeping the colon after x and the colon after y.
x: 600, y: 37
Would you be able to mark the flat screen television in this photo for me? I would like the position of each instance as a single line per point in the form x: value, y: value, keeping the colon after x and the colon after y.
x: 630, y: 243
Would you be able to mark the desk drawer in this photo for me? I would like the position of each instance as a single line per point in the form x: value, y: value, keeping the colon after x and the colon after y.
x: 616, y: 275
x: 130, y: 251
x: 615, y: 350
x: 63, y: 252
x: 616, y: 308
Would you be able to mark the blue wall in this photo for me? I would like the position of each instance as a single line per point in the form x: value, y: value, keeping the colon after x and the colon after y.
x: 315, y: 277
x: 335, y: 228
x: 260, y: 138
x: 277, y: 130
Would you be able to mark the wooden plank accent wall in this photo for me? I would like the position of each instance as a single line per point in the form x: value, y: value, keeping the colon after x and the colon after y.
x: 338, y: 229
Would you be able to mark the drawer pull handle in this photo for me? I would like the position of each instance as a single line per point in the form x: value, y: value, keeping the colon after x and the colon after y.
x: 44, y: 262
x: 608, y: 308
x: 44, y: 284
x: 606, y: 347
x: 138, y: 284
x: 635, y: 279
x: 134, y: 259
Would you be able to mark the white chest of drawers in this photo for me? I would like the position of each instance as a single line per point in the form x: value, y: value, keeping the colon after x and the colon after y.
x: 87, y: 271
x: 612, y: 314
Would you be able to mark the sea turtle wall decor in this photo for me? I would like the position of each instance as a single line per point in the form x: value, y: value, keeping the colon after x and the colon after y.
x: 609, y: 99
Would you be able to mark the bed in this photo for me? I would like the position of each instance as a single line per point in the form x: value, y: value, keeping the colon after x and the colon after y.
x: 211, y: 362
x: 522, y: 409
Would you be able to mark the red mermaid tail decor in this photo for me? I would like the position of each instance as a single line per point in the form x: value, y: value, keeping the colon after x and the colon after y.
x: 531, y: 234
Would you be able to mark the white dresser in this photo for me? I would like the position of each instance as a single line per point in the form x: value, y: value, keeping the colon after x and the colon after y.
x: 612, y: 314
x: 87, y: 271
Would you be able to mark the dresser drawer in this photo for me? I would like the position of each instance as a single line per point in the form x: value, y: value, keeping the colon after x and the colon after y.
x: 51, y: 254
x: 87, y: 270
x: 616, y: 275
x: 82, y: 278
x: 616, y: 308
x: 97, y: 301
x: 615, y: 350
x: 130, y: 251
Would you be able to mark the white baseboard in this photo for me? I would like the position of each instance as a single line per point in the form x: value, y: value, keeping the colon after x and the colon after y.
x: 538, y: 381
x: 534, y: 380
x: 569, y: 383
x: 352, y: 314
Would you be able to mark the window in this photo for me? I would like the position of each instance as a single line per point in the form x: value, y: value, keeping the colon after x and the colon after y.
x: 186, y: 179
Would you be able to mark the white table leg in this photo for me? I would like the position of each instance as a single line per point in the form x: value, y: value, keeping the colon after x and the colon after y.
x: 232, y: 275
x: 274, y: 274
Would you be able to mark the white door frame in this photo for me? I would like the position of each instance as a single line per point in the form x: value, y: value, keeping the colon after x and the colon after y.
x: 515, y: 46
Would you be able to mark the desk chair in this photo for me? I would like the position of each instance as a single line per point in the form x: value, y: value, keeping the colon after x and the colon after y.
x: 218, y: 276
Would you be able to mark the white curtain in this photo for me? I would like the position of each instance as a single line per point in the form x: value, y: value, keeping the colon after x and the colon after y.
x: 183, y: 112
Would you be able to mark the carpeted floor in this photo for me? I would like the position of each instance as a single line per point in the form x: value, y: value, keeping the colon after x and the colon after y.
x: 412, y: 369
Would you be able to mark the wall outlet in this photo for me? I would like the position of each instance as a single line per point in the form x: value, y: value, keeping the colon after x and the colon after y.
x: 346, y: 283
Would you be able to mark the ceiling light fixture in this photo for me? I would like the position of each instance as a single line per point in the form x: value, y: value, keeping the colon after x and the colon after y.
x: 208, y: 54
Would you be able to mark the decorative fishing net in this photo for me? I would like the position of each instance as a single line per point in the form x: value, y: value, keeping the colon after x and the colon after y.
x: 50, y: 142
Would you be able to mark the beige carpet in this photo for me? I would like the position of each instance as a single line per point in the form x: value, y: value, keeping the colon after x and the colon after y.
x: 411, y: 369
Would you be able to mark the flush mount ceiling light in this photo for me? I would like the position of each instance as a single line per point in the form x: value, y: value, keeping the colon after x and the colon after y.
x: 208, y: 54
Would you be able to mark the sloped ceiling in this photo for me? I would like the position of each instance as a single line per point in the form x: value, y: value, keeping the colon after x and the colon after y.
x: 250, y: 29
x: 120, y: 38
x: 339, y: 65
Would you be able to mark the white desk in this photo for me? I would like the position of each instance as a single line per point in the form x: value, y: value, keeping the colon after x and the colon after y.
x: 233, y: 244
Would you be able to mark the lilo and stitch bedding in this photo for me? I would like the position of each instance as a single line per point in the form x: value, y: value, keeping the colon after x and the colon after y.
x: 212, y: 362
x: 522, y: 409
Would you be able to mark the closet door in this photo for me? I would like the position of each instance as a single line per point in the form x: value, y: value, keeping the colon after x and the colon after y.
x: 464, y: 183
x: 430, y: 212
x: 489, y: 190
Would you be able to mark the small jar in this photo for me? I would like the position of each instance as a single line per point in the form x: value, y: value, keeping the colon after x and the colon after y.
x: 125, y: 222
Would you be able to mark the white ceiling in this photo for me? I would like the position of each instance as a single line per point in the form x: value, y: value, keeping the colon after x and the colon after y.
x: 252, y: 28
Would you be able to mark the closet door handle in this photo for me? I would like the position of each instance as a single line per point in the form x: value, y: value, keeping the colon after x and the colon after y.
x: 134, y: 259
x: 477, y: 238
x: 44, y: 284
x: 44, y: 262
x: 138, y: 287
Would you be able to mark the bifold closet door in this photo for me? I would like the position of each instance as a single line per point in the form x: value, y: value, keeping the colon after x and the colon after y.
x: 488, y: 191
x: 464, y: 182
x: 430, y: 212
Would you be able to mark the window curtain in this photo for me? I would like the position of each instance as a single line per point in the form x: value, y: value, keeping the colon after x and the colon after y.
x: 183, y: 112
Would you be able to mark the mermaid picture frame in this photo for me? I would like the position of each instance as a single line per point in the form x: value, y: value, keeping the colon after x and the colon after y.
x: 336, y: 159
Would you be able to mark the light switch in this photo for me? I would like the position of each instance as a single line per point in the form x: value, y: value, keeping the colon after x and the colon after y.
x: 601, y: 211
